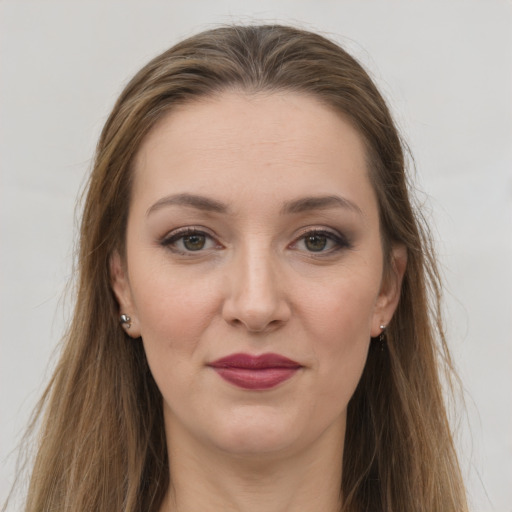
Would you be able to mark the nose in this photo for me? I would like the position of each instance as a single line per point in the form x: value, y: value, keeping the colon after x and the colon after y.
x: 256, y: 296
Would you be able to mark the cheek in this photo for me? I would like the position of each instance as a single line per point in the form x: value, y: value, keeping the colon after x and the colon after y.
x: 340, y: 322
x: 173, y: 314
x: 172, y: 309
x: 343, y: 309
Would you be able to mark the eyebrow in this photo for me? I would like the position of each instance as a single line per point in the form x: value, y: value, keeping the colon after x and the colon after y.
x: 304, y: 204
x: 203, y: 203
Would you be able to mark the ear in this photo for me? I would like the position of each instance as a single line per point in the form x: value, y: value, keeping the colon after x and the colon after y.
x: 391, y: 287
x: 121, y: 288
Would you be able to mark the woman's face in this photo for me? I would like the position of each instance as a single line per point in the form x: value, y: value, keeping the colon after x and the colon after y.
x: 254, y: 270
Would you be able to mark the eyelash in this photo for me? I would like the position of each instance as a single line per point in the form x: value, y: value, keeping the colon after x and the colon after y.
x: 170, y: 240
x: 340, y: 241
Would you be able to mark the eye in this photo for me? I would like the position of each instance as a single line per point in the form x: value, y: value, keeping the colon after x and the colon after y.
x: 320, y: 241
x: 316, y: 243
x: 187, y: 240
x: 194, y: 242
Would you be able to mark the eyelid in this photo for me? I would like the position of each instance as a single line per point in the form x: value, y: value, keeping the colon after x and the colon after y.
x: 340, y: 239
x: 173, y: 236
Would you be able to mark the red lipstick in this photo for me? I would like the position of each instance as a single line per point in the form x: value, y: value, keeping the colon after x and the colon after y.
x: 255, y: 372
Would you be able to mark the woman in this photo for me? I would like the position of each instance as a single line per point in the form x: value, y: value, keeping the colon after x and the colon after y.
x: 257, y: 321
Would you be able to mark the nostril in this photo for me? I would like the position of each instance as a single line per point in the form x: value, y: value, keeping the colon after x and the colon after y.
x: 254, y: 298
x: 256, y: 321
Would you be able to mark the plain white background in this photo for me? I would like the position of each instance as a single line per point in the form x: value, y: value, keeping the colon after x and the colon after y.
x: 446, y: 68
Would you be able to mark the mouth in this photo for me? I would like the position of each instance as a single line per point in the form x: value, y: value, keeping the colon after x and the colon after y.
x: 261, y: 372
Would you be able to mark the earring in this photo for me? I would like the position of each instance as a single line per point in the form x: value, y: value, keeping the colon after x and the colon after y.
x: 381, y: 343
x: 126, y: 321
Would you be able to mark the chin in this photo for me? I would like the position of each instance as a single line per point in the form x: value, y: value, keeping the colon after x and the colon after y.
x: 255, y: 433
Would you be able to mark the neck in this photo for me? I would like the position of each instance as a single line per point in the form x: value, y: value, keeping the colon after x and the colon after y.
x: 209, y: 480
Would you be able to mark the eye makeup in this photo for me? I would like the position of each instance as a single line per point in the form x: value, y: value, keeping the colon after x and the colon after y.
x: 190, y: 240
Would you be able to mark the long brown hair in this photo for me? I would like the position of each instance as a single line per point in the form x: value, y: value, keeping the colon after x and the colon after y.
x: 102, y: 444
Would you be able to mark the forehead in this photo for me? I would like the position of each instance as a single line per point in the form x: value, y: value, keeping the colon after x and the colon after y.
x: 243, y: 144
x: 238, y: 121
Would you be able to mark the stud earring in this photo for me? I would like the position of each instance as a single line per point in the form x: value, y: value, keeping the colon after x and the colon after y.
x: 382, y: 335
x: 126, y: 321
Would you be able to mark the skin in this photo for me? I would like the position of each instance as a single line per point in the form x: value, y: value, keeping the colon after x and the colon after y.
x: 257, y: 285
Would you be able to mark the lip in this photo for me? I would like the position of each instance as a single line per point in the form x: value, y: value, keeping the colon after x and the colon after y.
x: 260, y: 372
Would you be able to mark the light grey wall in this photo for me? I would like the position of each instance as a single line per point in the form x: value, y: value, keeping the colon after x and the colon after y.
x: 446, y: 67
